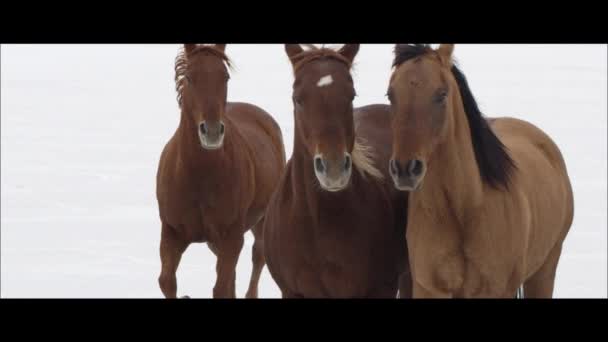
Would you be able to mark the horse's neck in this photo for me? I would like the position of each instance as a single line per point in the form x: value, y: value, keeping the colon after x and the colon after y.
x: 302, y: 173
x: 453, y: 183
x: 211, y: 165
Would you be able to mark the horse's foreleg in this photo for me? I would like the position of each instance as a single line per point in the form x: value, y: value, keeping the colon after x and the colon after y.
x: 171, y: 250
x: 257, y: 256
x: 540, y: 285
x: 228, y: 251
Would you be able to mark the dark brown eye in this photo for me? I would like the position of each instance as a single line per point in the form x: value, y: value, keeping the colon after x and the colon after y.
x: 441, y: 96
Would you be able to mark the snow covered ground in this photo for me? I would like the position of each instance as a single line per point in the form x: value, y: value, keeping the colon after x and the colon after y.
x: 82, y: 127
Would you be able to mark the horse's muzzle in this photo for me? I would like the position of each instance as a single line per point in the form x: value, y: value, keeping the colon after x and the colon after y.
x: 333, y: 174
x: 407, y: 176
x: 211, y: 134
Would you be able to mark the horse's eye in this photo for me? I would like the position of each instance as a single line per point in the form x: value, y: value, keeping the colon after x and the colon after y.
x: 441, y: 96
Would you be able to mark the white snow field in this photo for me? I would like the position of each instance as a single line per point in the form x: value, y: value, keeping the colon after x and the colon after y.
x: 82, y: 128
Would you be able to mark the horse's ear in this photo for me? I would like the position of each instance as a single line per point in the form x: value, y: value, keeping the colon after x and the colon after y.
x: 399, y: 48
x: 293, y: 50
x: 445, y: 52
x: 189, y: 48
x: 349, y: 51
x: 221, y: 47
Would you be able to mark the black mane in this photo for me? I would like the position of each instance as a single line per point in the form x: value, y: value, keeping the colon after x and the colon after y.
x: 405, y: 52
x: 494, y: 162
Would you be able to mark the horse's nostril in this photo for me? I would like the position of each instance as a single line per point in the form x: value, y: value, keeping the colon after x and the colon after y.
x: 319, y: 165
x: 347, y: 162
x: 393, y: 167
x: 221, y: 128
x: 415, y: 167
x: 203, y: 128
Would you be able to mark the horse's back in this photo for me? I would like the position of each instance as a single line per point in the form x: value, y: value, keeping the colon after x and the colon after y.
x: 541, y: 174
x: 250, y: 114
x: 258, y: 128
x: 373, y: 125
x: 523, y: 135
x: 527, y: 143
x: 262, y: 134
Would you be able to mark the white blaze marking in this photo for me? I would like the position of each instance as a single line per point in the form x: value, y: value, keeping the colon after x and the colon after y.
x: 325, y: 81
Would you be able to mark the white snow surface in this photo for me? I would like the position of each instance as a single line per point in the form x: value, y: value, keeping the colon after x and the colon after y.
x: 82, y: 128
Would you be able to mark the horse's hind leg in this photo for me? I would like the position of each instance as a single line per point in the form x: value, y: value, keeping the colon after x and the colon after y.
x: 540, y: 285
x: 171, y: 250
x: 257, y: 256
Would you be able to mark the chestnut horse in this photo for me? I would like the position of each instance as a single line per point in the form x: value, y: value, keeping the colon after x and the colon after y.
x: 334, y: 227
x: 217, y: 172
x: 490, y: 200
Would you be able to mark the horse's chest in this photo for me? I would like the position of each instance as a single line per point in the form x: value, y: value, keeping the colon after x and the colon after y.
x: 346, y: 275
x: 205, y: 215
x: 446, y: 265
x: 332, y: 275
x: 335, y: 262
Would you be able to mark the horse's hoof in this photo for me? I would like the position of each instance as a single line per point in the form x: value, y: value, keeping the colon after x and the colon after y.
x: 185, y: 297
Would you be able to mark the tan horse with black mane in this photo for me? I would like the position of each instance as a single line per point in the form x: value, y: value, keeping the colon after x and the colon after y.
x: 491, y: 202
x: 334, y: 227
x: 217, y: 172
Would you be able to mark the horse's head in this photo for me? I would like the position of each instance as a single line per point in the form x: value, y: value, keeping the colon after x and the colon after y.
x: 202, y: 82
x: 420, y: 91
x: 431, y: 101
x: 323, y: 94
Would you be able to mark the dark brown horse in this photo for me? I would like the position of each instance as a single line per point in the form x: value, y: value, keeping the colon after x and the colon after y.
x: 217, y: 172
x: 491, y: 202
x: 334, y: 227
